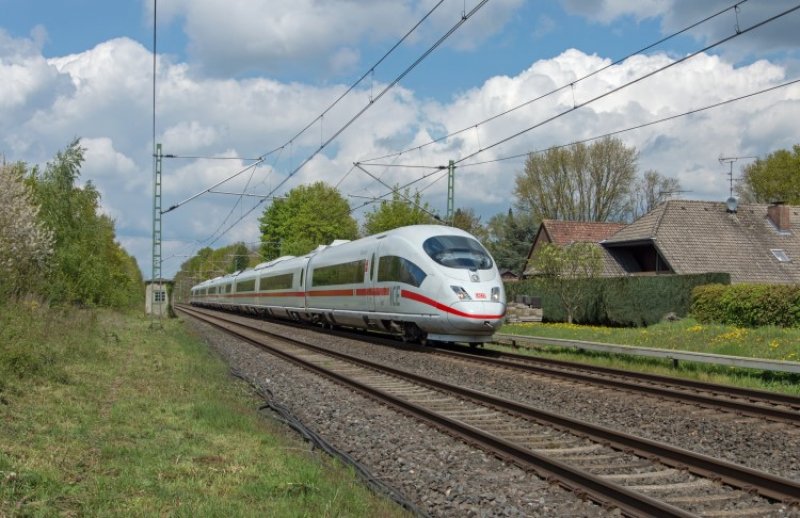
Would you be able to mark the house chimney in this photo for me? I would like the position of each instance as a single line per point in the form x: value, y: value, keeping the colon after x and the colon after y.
x: 778, y: 213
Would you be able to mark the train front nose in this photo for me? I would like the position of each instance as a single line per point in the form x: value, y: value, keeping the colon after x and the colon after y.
x: 479, y: 317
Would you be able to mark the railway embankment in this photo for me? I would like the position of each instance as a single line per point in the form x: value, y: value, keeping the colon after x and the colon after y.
x: 102, y: 415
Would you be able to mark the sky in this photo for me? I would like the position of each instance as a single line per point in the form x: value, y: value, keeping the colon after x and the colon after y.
x: 246, y: 91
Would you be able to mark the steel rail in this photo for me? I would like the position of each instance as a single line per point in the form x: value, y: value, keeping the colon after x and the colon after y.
x: 631, y: 503
x: 751, y: 394
x: 765, y: 484
x: 738, y: 406
x: 674, y: 390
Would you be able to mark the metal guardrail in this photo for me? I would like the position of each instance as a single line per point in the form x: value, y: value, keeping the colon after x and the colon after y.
x: 669, y: 354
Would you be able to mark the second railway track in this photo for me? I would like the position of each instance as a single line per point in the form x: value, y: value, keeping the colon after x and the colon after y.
x: 612, y: 468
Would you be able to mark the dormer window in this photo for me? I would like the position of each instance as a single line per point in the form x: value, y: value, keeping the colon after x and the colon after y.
x: 780, y: 255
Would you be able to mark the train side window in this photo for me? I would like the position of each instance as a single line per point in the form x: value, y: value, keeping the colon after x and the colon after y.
x: 246, y: 286
x: 372, y: 268
x: 302, y: 275
x: 277, y: 282
x: 392, y: 268
x: 351, y: 272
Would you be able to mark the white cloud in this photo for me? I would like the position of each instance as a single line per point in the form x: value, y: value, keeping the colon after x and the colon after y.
x: 104, y: 96
x: 281, y: 35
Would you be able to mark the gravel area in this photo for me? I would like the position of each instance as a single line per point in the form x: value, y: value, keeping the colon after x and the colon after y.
x: 762, y: 445
x: 443, y: 477
x: 447, y: 478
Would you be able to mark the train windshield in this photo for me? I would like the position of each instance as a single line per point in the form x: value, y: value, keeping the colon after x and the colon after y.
x: 457, y: 252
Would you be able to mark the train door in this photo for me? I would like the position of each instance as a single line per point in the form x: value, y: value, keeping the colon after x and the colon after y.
x: 369, y: 280
x: 372, y: 282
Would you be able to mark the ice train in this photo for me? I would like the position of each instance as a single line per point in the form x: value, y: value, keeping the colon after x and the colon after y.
x: 423, y: 282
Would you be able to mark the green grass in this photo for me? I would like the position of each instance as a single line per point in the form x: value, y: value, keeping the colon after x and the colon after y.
x: 687, y: 335
x: 102, y: 416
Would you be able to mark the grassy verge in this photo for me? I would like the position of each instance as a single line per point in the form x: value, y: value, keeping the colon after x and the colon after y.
x: 99, y: 415
x: 687, y: 335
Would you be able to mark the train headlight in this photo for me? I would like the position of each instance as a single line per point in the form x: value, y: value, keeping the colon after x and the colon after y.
x: 496, y: 294
x: 461, y: 293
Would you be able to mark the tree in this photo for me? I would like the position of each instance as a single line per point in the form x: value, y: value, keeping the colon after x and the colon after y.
x: 509, y: 239
x: 88, y: 267
x: 25, y: 242
x: 467, y: 220
x: 563, y: 268
x: 308, y: 216
x: 579, y: 183
x: 774, y: 178
x: 399, y: 212
x: 649, y: 191
x: 241, y: 257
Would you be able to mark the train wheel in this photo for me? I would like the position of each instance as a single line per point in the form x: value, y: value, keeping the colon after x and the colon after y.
x: 412, y: 333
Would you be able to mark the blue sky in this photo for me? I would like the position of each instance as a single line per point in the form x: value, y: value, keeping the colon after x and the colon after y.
x: 240, y: 77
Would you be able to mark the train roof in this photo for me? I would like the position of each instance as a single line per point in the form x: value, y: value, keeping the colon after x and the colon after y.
x: 413, y: 233
x: 423, y: 232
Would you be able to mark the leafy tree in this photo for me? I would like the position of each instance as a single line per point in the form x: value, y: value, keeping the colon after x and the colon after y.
x: 398, y: 212
x: 241, y: 257
x: 580, y: 182
x: 649, y: 191
x: 88, y: 266
x: 564, y: 267
x: 308, y: 216
x: 467, y: 220
x: 774, y: 178
x: 509, y: 239
x: 25, y: 243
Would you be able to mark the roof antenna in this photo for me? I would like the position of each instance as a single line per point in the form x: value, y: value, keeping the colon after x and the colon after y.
x: 730, y: 160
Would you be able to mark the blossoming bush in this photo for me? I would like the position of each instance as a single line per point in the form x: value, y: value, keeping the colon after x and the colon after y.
x: 25, y: 244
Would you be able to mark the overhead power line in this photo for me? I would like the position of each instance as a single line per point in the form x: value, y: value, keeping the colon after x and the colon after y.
x: 326, y: 110
x: 443, y: 169
x: 632, y: 128
x: 463, y: 19
x: 629, y: 83
x: 558, y: 89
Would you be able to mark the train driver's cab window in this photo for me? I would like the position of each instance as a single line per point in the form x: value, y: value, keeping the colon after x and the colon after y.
x: 392, y: 268
x: 457, y: 252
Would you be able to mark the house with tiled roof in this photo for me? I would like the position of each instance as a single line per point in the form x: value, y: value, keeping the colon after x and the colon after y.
x: 564, y: 233
x: 755, y: 243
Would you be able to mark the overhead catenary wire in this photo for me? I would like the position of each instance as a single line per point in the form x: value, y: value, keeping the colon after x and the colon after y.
x: 583, y: 141
x: 737, y: 34
x: 325, y: 111
x: 463, y: 19
x: 383, y: 92
x: 559, y: 88
x: 632, y: 128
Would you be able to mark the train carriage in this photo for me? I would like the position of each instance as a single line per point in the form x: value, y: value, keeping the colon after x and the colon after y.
x: 423, y: 282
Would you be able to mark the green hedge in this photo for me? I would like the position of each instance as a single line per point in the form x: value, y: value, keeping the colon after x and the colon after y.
x: 620, y: 301
x: 747, y: 305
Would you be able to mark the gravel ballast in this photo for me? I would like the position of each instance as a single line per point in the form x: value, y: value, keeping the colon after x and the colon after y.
x: 445, y: 477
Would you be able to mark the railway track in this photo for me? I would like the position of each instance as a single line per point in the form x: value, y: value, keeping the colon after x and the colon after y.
x: 640, y: 477
x: 758, y: 404
x: 773, y: 406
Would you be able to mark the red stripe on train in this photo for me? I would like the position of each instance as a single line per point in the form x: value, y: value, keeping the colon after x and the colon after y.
x: 441, y: 307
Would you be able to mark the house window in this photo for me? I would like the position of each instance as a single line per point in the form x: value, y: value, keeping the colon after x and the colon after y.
x: 780, y: 255
x: 159, y: 296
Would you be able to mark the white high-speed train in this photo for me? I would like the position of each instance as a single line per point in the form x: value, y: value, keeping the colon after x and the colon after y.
x: 424, y: 282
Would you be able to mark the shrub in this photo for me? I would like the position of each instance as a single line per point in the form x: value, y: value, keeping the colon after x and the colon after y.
x: 747, y: 305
